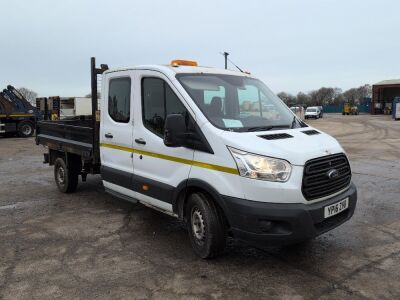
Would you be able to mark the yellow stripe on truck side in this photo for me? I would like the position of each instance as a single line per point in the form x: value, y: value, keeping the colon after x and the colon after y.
x: 173, y: 158
x: 16, y: 115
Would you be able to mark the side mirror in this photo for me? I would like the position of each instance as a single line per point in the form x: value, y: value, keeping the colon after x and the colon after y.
x: 174, y: 130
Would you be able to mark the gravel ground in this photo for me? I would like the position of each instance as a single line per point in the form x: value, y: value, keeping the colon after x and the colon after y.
x: 89, y: 244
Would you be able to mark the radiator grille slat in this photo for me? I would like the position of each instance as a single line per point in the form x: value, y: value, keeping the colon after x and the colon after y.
x: 316, y: 182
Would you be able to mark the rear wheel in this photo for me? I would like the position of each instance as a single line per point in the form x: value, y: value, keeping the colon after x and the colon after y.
x: 66, y: 178
x: 206, y: 227
x: 25, y: 129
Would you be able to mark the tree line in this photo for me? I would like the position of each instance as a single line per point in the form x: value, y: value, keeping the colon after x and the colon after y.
x: 327, y: 96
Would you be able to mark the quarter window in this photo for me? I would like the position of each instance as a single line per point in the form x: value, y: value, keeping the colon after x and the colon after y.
x: 158, y: 101
x: 119, y: 99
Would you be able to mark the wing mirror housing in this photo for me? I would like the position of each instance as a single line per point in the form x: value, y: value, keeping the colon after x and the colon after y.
x: 174, y: 130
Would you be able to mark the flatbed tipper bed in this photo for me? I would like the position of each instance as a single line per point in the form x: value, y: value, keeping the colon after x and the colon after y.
x: 73, y: 136
x: 74, y: 141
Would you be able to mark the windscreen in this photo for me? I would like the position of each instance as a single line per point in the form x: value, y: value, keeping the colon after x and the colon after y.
x: 237, y: 103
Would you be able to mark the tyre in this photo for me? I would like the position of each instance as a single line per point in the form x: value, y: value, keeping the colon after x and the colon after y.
x: 25, y: 129
x: 66, y: 178
x: 343, y: 113
x: 206, y: 226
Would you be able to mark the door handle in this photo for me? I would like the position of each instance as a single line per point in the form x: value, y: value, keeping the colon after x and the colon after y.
x: 109, y: 135
x: 140, y: 141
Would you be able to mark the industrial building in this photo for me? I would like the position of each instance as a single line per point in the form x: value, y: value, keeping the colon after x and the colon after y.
x: 383, y: 94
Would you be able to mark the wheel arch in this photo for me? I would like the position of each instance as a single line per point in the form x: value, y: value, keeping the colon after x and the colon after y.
x: 189, y: 186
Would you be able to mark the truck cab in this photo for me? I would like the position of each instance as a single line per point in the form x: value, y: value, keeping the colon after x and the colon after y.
x: 17, y: 115
x: 216, y: 149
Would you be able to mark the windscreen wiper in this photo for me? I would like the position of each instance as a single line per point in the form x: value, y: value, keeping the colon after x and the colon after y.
x: 302, y: 124
x: 265, y: 128
x: 293, y: 122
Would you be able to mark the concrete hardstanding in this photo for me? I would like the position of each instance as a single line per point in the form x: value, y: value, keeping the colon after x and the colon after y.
x: 90, y: 244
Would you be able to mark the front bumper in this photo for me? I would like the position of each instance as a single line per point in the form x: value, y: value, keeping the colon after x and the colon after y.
x: 281, y: 224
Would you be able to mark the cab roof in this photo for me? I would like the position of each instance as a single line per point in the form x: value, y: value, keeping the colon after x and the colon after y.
x: 173, y: 70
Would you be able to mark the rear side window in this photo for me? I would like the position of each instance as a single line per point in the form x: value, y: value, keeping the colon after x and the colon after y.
x: 158, y: 101
x: 119, y: 99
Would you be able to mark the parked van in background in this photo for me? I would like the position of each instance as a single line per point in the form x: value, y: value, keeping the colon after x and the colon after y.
x: 214, y: 148
x: 312, y: 112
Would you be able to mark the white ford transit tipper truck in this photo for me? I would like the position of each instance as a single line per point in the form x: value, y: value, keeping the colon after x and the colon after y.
x: 214, y: 148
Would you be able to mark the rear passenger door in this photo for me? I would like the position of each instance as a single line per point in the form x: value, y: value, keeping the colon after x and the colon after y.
x: 116, y: 131
x: 158, y: 169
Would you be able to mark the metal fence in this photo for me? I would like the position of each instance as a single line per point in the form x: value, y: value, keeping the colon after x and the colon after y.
x: 363, y: 107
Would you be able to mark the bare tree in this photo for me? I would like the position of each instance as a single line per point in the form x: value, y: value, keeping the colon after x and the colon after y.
x: 289, y: 99
x: 356, y: 95
x: 303, y: 99
x: 328, y: 95
x: 28, y: 94
x: 338, y: 96
x: 351, y: 96
x: 322, y: 96
x: 364, y: 91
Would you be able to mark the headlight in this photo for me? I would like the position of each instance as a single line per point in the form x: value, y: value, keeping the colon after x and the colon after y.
x: 261, y: 167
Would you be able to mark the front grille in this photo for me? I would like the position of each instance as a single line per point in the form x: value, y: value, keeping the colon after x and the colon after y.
x: 276, y: 136
x: 316, y: 182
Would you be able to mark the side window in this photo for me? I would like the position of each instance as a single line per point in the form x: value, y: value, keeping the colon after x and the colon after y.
x: 119, y: 99
x: 158, y: 101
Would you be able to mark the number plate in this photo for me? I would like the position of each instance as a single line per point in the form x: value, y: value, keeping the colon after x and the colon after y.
x: 336, y: 208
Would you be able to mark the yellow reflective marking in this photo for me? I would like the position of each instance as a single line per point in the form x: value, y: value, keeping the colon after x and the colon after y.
x: 173, y: 158
x: 16, y: 115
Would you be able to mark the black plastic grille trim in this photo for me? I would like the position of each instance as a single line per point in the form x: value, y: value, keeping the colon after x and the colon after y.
x: 311, y: 132
x: 316, y: 183
x: 276, y: 136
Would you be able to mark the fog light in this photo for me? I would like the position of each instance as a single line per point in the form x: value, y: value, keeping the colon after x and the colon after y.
x: 265, y: 226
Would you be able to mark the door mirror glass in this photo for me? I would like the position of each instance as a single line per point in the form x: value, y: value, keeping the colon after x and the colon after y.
x: 174, y: 130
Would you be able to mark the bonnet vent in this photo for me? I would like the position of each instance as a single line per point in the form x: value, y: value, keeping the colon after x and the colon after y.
x: 311, y: 132
x: 276, y: 136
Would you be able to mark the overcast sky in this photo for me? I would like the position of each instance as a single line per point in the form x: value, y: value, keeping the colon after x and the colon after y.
x: 291, y: 45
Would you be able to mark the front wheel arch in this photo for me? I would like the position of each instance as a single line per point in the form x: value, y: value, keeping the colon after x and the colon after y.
x: 190, y: 186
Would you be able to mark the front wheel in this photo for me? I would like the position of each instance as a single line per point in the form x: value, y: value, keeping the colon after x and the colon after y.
x: 206, y: 227
x: 66, y: 178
